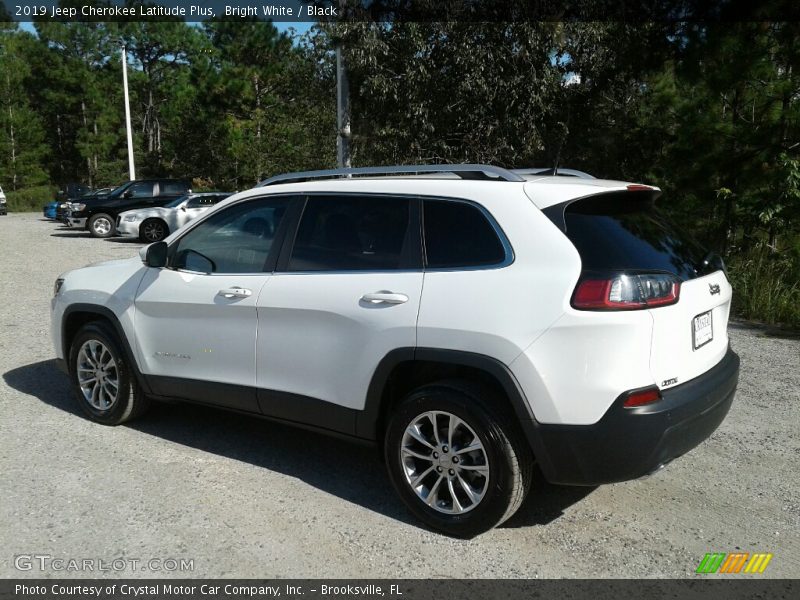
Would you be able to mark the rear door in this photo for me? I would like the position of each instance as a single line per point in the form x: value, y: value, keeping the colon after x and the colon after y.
x: 344, y: 295
x: 624, y: 232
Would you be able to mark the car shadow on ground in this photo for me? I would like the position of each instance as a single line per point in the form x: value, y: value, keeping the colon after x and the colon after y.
x: 66, y: 232
x: 350, y: 471
x: 125, y: 240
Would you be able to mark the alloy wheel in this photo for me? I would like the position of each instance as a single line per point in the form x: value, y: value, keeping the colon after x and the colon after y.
x: 153, y: 231
x: 98, y: 375
x: 444, y: 462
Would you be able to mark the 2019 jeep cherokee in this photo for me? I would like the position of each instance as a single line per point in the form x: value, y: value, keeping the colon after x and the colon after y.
x: 472, y: 324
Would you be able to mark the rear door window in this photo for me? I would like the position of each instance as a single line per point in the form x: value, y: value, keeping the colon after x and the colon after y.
x: 355, y: 233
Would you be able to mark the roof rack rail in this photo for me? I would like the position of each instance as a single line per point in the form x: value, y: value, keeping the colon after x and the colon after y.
x: 553, y: 171
x: 486, y: 172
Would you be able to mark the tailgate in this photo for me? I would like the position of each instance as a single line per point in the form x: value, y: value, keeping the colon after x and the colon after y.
x: 691, y: 336
x: 634, y: 258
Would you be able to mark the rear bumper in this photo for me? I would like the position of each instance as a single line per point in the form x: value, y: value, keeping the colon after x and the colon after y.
x: 628, y: 443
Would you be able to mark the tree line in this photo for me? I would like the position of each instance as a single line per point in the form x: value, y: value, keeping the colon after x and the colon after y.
x: 227, y: 103
x: 710, y: 112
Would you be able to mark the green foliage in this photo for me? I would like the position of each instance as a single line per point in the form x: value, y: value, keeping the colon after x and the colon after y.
x: 710, y: 112
x: 766, y: 285
x: 30, y: 199
x: 22, y: 147
x: 232, y: 103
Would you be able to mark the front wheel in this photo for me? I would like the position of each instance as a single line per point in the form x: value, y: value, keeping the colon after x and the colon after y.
x: 101, y: 225
x: 103, y: 381
x: 457, y: 459
x: 153, y: 230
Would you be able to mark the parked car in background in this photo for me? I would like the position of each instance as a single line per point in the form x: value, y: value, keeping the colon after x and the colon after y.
x: 72, y: 191
x: 67, y: 193
x: 63, y: 208
x: 99, y: 215
x: 3, y: 205
x: 156, y: 223
x: 50, y: 210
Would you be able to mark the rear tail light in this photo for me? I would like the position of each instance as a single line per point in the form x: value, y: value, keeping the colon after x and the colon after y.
x: 626, y: 291
x: 642, y: 397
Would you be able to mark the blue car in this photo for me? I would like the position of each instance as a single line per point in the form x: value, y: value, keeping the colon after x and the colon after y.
x: 49, y: 210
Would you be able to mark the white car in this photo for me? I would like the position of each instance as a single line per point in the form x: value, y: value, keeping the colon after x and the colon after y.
x: 155, y: 223
x: 3, y: 205
x: 470, y: 324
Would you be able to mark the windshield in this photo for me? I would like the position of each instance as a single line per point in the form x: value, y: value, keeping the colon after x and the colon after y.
x: 118, y: 190
x: 176, y: 203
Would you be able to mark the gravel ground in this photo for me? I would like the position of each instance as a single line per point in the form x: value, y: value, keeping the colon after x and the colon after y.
x: 246, y: 498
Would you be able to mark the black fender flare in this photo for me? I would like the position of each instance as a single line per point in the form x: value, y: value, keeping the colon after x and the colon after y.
x: 105, y: 314
x: 367, y: 421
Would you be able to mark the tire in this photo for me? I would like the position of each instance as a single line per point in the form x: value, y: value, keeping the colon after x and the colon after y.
x: 153, y: 230
x: 101, y: 225
x: 97, y: 345
x: 498, y: 475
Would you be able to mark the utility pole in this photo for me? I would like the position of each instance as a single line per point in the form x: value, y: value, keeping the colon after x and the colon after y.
x: 131, y: 167
x: 342, y: 110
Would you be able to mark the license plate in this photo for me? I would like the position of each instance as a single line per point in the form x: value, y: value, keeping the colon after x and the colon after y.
x: 702, y: 330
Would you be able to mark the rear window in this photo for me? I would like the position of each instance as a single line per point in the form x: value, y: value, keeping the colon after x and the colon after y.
x: 626, y: 232
x: 170, y: 188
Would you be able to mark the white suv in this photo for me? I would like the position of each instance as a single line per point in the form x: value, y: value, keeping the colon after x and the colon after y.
x: 470, y: 320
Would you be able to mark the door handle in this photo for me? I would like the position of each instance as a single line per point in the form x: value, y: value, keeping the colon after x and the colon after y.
x: 236, y: 292
x: 384, y: 298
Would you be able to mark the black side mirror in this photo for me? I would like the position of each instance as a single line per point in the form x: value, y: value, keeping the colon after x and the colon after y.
x: 156, y: 255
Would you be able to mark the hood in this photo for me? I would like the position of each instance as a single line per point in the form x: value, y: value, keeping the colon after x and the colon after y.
x: 112, y: 263
x: 143, y: 213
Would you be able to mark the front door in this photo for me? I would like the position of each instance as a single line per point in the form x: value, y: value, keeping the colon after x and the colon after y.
x: 196, y: 320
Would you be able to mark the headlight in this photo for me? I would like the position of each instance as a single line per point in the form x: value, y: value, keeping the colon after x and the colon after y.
x: 2, y: 200
x: 78, y: 206
x: 57, y: 286
x: 130, y: 218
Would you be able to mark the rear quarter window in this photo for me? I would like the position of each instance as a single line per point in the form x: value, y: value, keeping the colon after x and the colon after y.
x: 459, y: 235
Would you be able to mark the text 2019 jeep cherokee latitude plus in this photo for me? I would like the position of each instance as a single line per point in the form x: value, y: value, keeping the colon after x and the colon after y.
x: 471, y: 322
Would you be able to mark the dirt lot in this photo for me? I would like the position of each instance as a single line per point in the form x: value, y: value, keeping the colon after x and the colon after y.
x: 246, y: 498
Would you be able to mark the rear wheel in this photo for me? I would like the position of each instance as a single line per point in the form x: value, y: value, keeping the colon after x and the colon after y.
x: 153, y: 230
x: 101, y: 225
x: 103, y: 382
x: 457, y: 460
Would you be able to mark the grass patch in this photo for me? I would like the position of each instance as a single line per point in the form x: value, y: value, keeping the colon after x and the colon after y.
x: 30, y: 199
x: 766, y: 286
